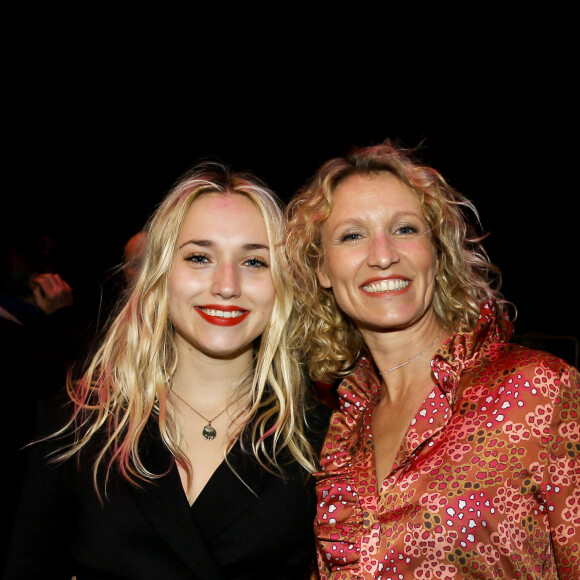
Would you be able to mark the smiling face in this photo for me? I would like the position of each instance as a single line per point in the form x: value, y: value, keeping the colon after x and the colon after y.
x: 378, y: 256
x: 221, y: 293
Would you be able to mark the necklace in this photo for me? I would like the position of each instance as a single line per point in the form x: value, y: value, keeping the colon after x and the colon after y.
x: 415, y: 357
x: 208, y: 431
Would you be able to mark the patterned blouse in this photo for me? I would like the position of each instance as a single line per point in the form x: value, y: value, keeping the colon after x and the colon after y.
x: 486, y: 483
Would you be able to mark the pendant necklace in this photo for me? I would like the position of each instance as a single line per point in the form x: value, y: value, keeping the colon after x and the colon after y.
x: 208, y: 431
x: 415, y: 357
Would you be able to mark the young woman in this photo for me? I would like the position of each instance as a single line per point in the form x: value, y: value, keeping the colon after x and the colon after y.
x: 185, y: 451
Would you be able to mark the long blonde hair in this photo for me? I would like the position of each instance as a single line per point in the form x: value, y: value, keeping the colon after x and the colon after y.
x: 329, y: 342
x: 129, y: 377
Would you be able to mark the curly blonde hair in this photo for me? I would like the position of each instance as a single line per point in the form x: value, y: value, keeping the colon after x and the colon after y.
x: 128, y: 380
x: 327, y: 340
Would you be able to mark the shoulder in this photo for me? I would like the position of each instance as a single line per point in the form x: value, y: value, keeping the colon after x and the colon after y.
x: 52, y: 413
x: 519, y: 358
x: 540, y: 374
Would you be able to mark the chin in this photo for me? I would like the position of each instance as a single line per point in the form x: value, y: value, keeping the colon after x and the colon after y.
x: 226, y: 352
x: 389, y: 323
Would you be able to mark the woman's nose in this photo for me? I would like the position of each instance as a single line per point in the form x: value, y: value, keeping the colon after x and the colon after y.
x: 226, y: 281
x: 382, y: 251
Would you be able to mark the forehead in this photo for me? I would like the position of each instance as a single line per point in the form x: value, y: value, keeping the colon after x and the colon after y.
x: 218, y: 213
x: 358, y: 192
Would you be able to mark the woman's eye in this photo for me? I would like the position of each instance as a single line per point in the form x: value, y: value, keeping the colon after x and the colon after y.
x: 350, y: 237
x: 256, y: 263
x: 197, y: 259
x: 406, y: 230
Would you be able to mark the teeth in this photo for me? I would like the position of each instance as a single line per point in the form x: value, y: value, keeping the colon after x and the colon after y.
x: 223, y: 313
x: 386, y: 285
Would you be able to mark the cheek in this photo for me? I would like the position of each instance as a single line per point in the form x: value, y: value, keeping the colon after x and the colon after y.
x: 172, y: 290
x: 340, y: 265
x: 174, y: 300
x: 268, y: 298
x: 434, y: 263
x: 431, y: 269
x: 262, y: 292
x: 425, y: 258
x: 263, y: 301
x: 181, y: 288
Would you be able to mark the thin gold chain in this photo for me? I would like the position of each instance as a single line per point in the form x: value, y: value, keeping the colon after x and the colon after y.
x: 415, y: 357
x: 209, y: 421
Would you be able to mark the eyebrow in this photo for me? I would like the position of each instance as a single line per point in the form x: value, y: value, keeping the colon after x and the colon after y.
x: 358, y: 221
x: 211, y: 244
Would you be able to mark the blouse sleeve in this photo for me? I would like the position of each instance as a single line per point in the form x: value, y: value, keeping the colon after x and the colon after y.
x: 561, y: 486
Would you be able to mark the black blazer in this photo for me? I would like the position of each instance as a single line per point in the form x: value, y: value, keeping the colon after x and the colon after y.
x: 259, y: 526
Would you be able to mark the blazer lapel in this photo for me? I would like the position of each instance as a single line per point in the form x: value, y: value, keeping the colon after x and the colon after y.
x: 234, y: 488
x: 165, y: 506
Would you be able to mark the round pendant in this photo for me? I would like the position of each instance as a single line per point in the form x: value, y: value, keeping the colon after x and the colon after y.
x: 209, y: 432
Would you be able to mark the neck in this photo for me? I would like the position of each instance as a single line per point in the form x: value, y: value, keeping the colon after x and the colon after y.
x: 414, y: 358
x: 403, y: 357
x: 211, y: 380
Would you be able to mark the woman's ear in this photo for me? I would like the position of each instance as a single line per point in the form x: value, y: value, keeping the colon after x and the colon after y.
x: 323, y: 276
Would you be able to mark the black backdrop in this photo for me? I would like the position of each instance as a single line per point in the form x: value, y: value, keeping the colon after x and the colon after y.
x: 94, y: 163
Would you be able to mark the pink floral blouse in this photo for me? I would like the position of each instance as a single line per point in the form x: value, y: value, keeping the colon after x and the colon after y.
x: 486, y: 483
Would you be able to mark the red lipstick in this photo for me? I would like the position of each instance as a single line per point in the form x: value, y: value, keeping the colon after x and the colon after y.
x: 215, y: 314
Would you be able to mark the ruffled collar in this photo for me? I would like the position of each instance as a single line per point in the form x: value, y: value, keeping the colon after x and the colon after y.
x: 362, y: 387
x: 462, y: 350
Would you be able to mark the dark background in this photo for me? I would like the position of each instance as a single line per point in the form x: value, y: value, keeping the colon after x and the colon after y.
x: 92, y: 149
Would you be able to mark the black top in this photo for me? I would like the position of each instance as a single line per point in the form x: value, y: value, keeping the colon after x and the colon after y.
x: 245, y: 524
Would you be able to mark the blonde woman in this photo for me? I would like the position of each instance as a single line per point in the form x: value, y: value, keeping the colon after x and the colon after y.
x: 186, y: 452
x: 454, y: 453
